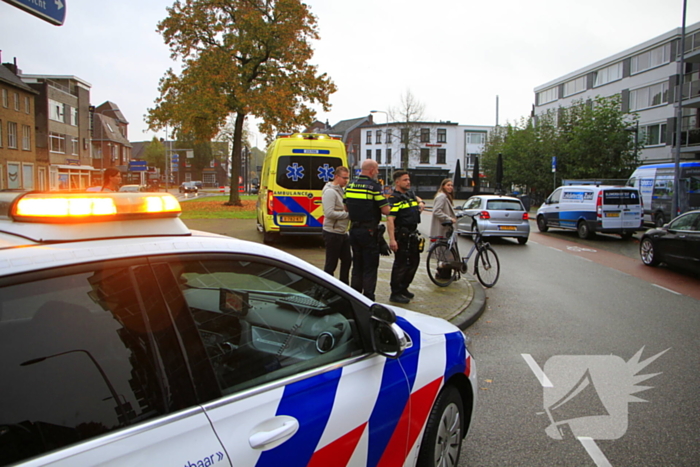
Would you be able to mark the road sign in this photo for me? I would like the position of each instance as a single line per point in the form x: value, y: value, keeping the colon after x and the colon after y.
x: 52, y: 11
x: 138, y: 166
x: 554, y: 164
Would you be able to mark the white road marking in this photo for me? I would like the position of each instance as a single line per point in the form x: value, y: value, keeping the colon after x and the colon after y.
x: 594, y: 451
x: 667, y: 290
x: 555, y: 249
x: 539, y: 374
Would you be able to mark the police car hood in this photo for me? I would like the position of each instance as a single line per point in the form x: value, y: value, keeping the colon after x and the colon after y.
x: 426, y: 323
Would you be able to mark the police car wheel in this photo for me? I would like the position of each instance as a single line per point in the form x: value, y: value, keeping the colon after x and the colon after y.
x: 442, y: 440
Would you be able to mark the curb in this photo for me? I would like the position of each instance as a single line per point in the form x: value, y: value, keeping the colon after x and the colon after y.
x: 474, y: 310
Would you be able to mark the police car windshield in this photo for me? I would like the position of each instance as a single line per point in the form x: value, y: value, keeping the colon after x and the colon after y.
x: 305, y: 172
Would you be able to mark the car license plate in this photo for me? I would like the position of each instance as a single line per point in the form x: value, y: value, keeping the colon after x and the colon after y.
x: 294, y: 219
x: 612, y: 214
x: 507, y: 227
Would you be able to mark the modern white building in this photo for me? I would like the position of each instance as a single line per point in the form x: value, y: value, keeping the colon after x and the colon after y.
x: 646, y: 77
x: 433, y: 146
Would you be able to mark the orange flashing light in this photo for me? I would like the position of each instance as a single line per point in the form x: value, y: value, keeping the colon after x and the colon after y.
x: 66, y: 207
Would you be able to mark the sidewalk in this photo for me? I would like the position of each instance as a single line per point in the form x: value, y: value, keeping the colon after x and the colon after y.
x: 461, y: 303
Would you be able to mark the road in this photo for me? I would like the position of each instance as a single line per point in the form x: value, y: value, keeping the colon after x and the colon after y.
x: 564, y: 306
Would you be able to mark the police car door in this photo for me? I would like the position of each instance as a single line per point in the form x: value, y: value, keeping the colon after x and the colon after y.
x: 93, y: 372
x: 288, y: 353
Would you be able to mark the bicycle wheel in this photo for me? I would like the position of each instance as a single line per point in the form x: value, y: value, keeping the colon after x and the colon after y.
x: 487, y: 266
x: 439, y: 270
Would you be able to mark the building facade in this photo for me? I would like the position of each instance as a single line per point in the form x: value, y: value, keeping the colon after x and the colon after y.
x: 426, y: 146
x: 645, y: 77
x: 110, y: 139
x: 62, y: 139
x: 19, y: 168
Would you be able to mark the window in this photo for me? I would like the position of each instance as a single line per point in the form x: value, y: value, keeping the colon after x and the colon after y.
x: 369, y: 137
x: 469, y: 161
x: 379, y: 136
x: 74, y: 116
x: 28, y: 176
x: 425, y: 135
x: 26, y: 137
x: 653, y: 134
x: 405, y: 135
x: 13, y: 175
x: 388, y: 135
x: 547, y: 96
x: 57, y: 142
x: 425, y: 155
x: 388, y: 156
x: 5, y: 102
x: 1, y: 143
x: 56, y: 111
x: 475, y: 137
x: 259, y: 322
x: 75, y: 145
x: 608, y: 74
x: 369, y: 154
x: 27, y: 102
x: 80, y: 337
x: 379, y: 156
x: 12, y: 135
x: 404, y: 157
x: 16, y: 99
x: 442, y: 135
x: 473, y: 203
x: 575, y: 86
x: 649, y: 96
x: 441, y: 156
x: 650, y: 59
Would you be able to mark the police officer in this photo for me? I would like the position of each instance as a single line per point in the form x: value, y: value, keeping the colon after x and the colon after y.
x: 402, y: 225
x: 366, y: 204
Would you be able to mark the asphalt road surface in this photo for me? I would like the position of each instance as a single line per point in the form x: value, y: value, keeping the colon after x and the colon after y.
x: 569, y: 332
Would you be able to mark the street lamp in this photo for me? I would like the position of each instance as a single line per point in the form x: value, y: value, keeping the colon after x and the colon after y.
x: 387, y: 163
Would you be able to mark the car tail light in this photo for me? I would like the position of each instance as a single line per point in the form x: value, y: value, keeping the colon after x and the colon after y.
x: 599, y: 205
x: 485, y: 215
x: 270, y: 201
x: 526, y: 216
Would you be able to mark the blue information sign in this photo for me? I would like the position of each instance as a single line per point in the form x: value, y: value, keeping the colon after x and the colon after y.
x: 53, y: 11
x: 138, y: 166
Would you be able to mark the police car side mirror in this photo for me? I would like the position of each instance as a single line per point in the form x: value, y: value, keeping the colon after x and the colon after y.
x: 388, y: 339
x: 382, y: 313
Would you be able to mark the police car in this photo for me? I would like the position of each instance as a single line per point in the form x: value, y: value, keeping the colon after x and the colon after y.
x: 126, y: 339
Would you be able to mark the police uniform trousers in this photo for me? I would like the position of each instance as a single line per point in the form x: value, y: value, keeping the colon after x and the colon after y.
x: 406, y: 262
x: 365, y: 260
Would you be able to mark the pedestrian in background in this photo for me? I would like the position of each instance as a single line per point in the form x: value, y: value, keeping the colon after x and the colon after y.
x: 111, y: 180
x: 404, y: 239
x: 366, y: 204
x: 443, y: 210
x: 335, y: 225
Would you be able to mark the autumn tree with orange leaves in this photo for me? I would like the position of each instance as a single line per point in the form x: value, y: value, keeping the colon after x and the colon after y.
x: 240, y: 58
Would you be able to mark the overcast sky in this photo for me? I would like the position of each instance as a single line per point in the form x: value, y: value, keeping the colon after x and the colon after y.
x: 455, y: 56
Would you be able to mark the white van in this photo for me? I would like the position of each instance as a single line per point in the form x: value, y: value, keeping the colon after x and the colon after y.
x: 589, y: 209
x: 655, y: 183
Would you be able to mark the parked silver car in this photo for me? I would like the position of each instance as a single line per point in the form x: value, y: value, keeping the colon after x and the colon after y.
x: 496, y: 216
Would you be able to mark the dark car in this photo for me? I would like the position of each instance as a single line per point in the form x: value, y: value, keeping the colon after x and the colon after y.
x: 188, y: 187
x: 676, y: 243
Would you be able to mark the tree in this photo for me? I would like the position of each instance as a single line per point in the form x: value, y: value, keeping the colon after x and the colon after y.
x: 155, y: 154
x: 591, y: 140
x: 240, y: 57
x: 407, y: 114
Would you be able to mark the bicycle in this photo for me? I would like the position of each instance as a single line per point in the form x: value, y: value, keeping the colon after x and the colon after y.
x: 445, y: 265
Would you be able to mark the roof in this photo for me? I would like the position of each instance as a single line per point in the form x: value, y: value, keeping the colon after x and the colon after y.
x: 346, y: 126
x: 107, y: 129
x: 7, y: 76
x: 111, y: 109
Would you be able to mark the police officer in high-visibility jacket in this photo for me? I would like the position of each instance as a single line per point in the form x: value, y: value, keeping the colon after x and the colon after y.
x: 404, y: 239
x: 366, y: 204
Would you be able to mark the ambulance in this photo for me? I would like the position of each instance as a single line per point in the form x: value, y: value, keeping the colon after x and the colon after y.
x: 295, y: 170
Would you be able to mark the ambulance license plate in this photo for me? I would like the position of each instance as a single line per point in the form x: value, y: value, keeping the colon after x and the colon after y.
x: 293, y: 219
x: 612, y: 214
x: 507, y: 227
